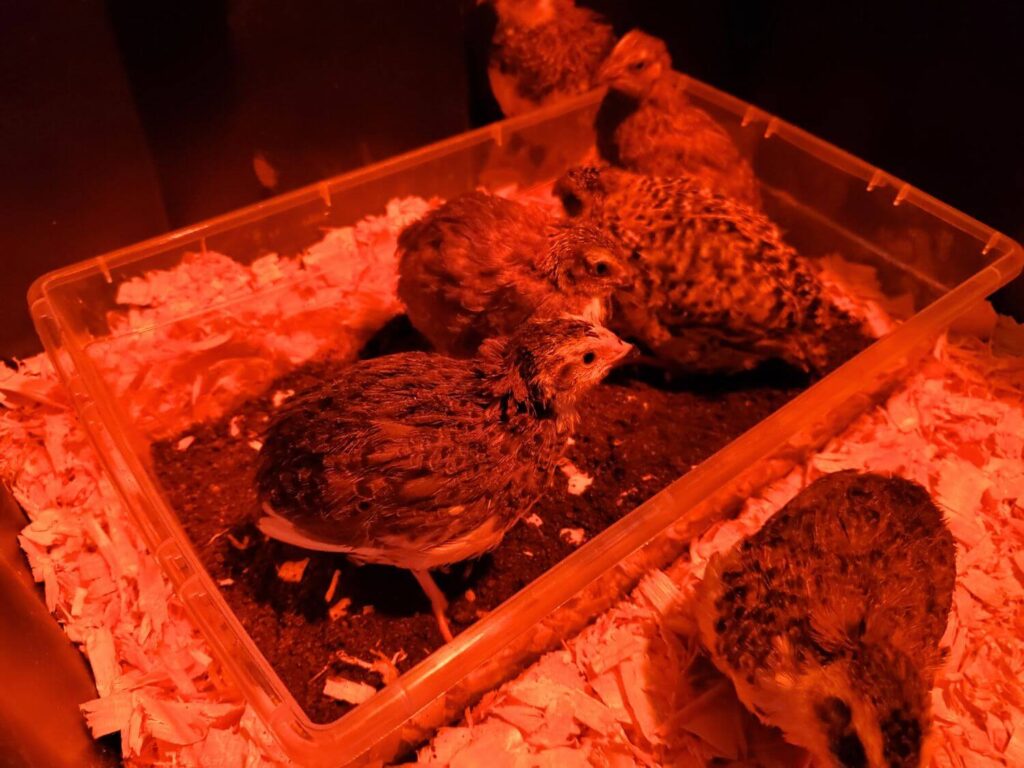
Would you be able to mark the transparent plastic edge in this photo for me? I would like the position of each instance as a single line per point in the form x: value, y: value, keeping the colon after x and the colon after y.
x: 372, y: 721
x: 320, y: 190
x: 748, y: 115
x: 163, y: 536
x: 369, y: 723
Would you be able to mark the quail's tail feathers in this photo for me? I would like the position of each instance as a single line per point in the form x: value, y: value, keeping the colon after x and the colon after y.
x: 277, y: 527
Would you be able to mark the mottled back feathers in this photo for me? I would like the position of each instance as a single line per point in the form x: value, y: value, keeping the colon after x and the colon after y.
x: 544, y: 51
x: 480, y: 265
x: 397, y: 459
x: 716, y: 287
x: 829, y: 618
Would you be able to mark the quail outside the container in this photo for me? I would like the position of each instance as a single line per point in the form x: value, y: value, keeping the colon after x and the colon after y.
x: 716, y: 289
x: 480, y: 265
x: 544, y: 51
x: 647, y: 123
x: 828, y: 620
x: 418, y: 460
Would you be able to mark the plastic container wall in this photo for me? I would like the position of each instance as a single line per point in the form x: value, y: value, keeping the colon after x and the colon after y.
x: 825, y: 200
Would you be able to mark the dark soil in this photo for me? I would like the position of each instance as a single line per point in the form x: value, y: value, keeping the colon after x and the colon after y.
x: 638, y: 432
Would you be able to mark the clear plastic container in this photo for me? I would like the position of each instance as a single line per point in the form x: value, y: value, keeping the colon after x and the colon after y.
x: 824, y: 199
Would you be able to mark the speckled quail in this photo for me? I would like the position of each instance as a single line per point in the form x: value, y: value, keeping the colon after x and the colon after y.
x: 828, y: 620
x: 716, y: 289
x: 480, y: 265
x: 418, y: 460
x: 544, y: 51
x: 648, y: 124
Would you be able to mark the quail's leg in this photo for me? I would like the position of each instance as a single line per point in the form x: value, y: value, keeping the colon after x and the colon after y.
x: 437, y: 602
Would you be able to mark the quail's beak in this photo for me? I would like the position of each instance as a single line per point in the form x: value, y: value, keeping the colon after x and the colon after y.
x: 611, y: 73
x: 621, y: 350
x: 626, y: 280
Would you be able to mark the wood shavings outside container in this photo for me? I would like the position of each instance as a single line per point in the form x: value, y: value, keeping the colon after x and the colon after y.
x: 943, y: 262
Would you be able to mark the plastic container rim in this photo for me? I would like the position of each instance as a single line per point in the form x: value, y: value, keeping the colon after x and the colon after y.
x: 365, y: 725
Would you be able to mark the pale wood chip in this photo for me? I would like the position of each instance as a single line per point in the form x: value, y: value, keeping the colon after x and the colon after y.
x: 333, y: 586
x: 385, y: 667
x: 574, y: 536
x: 171, y: 721
x: 633, y: 673
x: 99, y: 647
x: 339, y: 609
x: 529, y: 720
x: 609, y: 688
x: 579, y: 481
x: 292, y: 570
x: 343, y: 689
x: 108, y: 714
x: 78, y: 602
x: 987, y: 589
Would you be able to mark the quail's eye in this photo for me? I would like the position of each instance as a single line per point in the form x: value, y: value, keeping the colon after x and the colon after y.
x: 589, y: 358
x: 602, y: 269
x: 638, y: 65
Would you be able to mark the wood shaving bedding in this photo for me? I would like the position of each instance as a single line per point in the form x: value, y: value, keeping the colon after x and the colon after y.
x: 634, y: 689
x: 188, y: 343
x: 157, y: 682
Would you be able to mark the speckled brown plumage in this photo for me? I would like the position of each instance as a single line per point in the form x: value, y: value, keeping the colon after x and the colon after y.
x: 480, y: 265
x: 715, y: 286
x: 544, y: 51
x: 418, y: 460
x: 647, y: 123
x: 828, y: 620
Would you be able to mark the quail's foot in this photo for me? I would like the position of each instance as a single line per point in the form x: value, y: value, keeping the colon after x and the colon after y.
x: 438, y: 602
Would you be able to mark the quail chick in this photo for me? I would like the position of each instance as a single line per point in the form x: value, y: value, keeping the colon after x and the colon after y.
x: 417, y: 460
x: 715, y: 287
x: 480, y: 265
x: 828, y: 620
x: 544, y: 51
x: 647, y: 124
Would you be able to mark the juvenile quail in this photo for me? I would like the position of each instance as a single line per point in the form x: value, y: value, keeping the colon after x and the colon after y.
x: 716, y: 289
x: 647, y: 123
x: 417, y: 460
x: 828, y: 620
x: 481, y: 265
x: 544, y: 51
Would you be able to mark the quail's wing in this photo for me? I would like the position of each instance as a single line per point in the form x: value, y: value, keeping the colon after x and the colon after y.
x: 410, y: 438
x: 421, y: 478
x: 742, y: 283
x: 705, y: 140
x: 471, y: 247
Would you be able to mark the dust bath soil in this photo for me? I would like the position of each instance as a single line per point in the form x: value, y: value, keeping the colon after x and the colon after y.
x: 637, y: 434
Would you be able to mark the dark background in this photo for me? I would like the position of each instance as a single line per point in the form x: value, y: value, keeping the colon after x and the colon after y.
x: 120, y: 120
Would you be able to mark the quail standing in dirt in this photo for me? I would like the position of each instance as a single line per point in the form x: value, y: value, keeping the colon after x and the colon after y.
x: 647, y: 123
x: 716, y: 289
x: 418, y: 460
x: 828, y: 620
x: 481, y: 265
x: 544, y: 51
